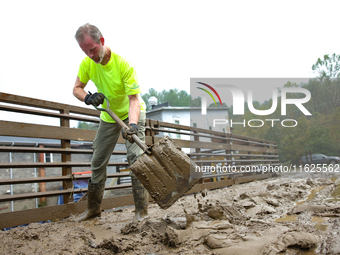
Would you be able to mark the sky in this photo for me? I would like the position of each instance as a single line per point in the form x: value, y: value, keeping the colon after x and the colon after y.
x: 168, y: 42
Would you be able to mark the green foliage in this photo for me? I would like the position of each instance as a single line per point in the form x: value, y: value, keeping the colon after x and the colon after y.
x: 218, y: 105
x: 173, y: 96
x: 196, y: 102
x: 318, y: 133
x: 44, y: 203
x: 86, y: 125
x: 329, y: 67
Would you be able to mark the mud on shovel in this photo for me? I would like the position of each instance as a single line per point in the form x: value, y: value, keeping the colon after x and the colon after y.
x: 163, y: 169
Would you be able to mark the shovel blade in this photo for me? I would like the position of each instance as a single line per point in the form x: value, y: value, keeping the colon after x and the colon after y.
x: 167, y: 174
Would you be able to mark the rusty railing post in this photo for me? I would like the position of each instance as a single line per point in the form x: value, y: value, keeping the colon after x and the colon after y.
x: 42, y: 185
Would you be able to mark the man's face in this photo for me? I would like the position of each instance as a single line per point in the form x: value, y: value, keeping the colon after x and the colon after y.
x: 93, y: 50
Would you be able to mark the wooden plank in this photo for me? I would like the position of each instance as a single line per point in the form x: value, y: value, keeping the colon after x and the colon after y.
x: 243, y: 137
x: 227, y: 135
x: 234, y: 155
x: 66, y: 157
x: 215, y: 146
x: 210, y: 185
x: 172, y: 131
x: 250, y: 178
x: 253, y: 142
x: 170, y: 125
x: 205, y: 145
x: 56, y: 178
x: 34, y: 102
x: 52, y: 150
x: 192, y: 144
x: 9, y: 128
x: 235, y: 147
x: 12, y: 219
x: 54, y: 193
x: 201, y: 130
x: 84, y: 151
x: 55, y: 164
x: 216, y: 139
x: 41, y: 131
x: 47, y: 114
x: 235, y: 160
x: 199, y: 187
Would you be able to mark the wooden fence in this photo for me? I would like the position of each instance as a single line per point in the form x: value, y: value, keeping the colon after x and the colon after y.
x: 209, y: 148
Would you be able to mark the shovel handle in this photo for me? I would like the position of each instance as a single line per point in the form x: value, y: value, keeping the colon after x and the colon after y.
x: 123, y: 125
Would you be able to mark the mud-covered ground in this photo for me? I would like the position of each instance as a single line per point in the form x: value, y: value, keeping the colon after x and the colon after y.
x: 273, y: 216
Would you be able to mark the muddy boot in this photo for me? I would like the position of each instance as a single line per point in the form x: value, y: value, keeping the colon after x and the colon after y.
x: 95, y: 195
x: 141, y: 198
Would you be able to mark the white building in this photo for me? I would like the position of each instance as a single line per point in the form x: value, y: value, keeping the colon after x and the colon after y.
x: 190, y: 116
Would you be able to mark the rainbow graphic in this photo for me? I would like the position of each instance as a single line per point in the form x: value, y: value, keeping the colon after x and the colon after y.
x: 212, y: 89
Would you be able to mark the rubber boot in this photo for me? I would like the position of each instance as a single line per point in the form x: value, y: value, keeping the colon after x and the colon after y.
x: 141, y: 198
x: 95, y: 196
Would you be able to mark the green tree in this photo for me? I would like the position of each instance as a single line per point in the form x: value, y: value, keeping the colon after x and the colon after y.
x: 86, y: 125
x: 173, y: 96
x: 196, y: 102
x: 293, y: 142
x: 328, y: 67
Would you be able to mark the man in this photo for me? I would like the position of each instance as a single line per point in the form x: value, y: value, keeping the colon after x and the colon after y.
x: 116, y: 80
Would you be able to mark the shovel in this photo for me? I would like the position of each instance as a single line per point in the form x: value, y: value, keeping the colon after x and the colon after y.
x: 164, y: 169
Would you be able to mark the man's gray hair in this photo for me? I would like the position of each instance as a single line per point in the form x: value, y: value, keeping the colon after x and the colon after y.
x: 88, y: 29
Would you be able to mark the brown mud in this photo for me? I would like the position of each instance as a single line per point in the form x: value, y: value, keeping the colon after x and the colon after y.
x: 273, y: 216
x: 167, y: 173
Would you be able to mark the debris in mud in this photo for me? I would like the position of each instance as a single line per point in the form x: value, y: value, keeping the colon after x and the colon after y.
x: 132, y: 227
x: 217, y: 213
x: 217, y: 241
x: 301, y: 240
x: 189, y: 219
x: 331, y: 243
x: 273, y: 186
x: 264, y: 217
x: 204, y: 192
x: 272, y: 202
x: 51, y: 238
x: 112, y: 245
x: 244, y: 196
x: 311, y: 182
x: 305, y: 217
x: 173, y: 237
x: 314, y: 208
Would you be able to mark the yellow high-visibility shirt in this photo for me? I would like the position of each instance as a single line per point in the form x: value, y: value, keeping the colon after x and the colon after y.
x: 116, y: 80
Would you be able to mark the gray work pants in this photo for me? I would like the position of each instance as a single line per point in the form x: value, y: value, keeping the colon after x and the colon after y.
x: 105, y: 142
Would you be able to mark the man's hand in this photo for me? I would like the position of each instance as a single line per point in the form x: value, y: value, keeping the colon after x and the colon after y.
x: 95, y: 99
x: 128, y: 132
